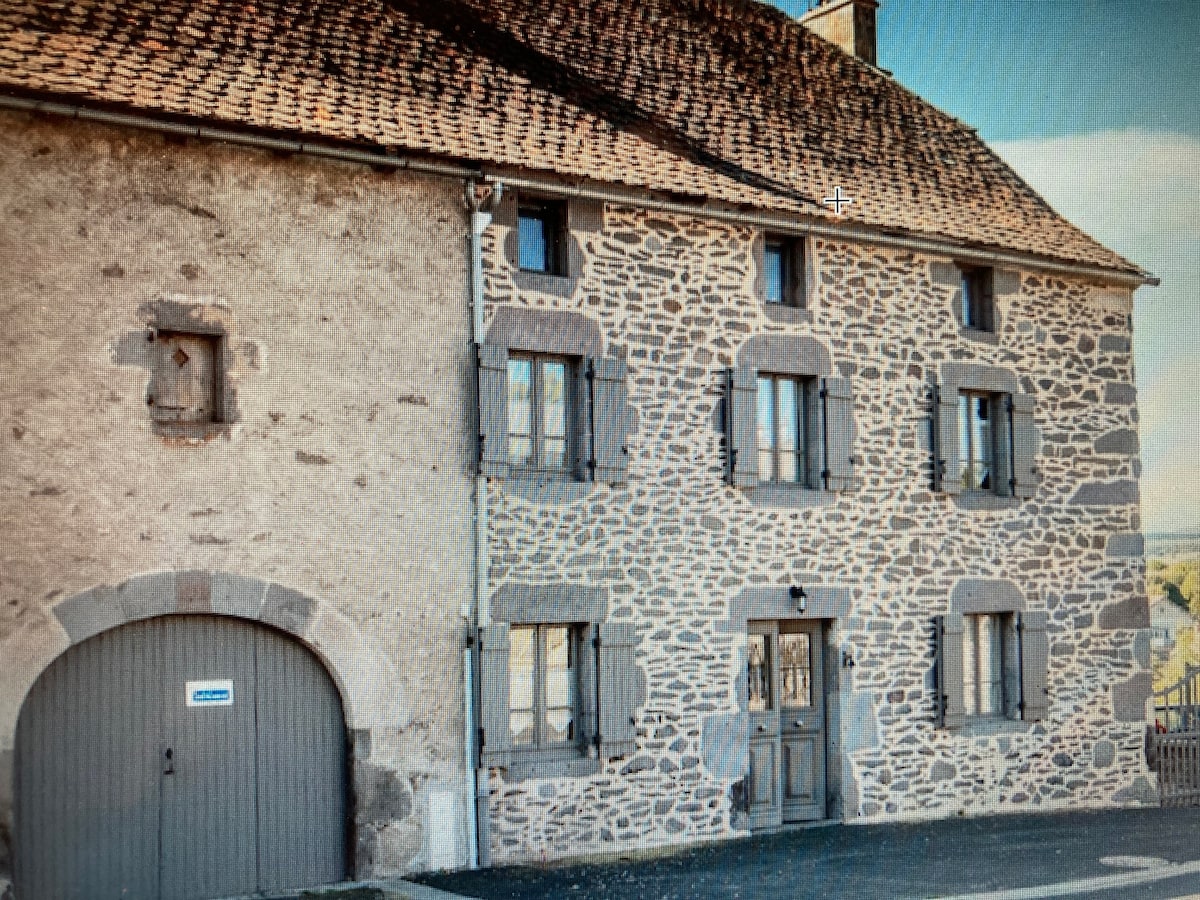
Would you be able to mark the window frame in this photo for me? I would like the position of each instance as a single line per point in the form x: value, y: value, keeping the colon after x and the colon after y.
x: 1006, y: 653
x: 793, y: 270
x: 1000, y: 438
x: 977, y: 303
x: 552, y: 215
x: 805, y: 439
x: 572, y: 412
x: 576, y: 650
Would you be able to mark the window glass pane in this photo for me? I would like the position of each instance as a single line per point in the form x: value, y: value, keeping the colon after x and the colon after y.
x: 967, y: 305
x: 533, y: 241
x: 560, y: 684
x: 991, y: 669
x: 773, y: 273
x: 554, y: 399
x: 520, y: 411
x: 981, y: 441
x: 794, y: 668
x: 521, y: 666
x: 766, y: 430
x: 789, y: 429
x: 964, y: 441
x: 758, y: 673
x: 970, y: 664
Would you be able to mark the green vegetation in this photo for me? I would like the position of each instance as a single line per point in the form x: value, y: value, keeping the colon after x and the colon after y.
x: 1179, y: 582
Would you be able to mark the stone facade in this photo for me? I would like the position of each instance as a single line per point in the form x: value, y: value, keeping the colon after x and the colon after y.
x: 336, y: 503
x: 677, y: 549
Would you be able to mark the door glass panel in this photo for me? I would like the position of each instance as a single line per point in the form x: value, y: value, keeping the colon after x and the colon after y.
x: 560, y: 685
x: 795, y: 669
x: 521, y: 666
x: 758, y: 673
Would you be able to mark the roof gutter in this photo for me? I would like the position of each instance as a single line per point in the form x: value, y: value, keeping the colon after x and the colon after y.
x: 813, y: 226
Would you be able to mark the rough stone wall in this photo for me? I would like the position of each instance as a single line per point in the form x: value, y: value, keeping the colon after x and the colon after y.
x: 676, y: 545
x: 346, y: 476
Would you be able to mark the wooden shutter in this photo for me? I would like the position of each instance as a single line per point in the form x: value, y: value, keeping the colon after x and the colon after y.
x: 495, y: 736
x: 741, y: 426
x: 947, y: 466
x: 1035, y: 657
x: 493, y: 410
x: 837, y: 397
x: 951, y: 710
x: 617, y: 671
x: 609, y: 419
x: 1024, y: 437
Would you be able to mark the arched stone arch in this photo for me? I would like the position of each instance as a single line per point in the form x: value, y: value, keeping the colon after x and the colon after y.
x: 364, y: 676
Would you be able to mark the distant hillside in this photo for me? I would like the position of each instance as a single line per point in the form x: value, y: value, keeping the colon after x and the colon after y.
x: 1172, y: 544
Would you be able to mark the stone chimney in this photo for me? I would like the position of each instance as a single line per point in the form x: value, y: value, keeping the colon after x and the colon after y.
x: 848, y: 23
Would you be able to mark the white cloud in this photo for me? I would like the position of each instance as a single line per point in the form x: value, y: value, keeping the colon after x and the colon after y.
x: 1139, y: 192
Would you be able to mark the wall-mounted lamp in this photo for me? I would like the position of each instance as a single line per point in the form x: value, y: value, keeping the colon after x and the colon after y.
x: 847, y: 660
x: 796, y: 592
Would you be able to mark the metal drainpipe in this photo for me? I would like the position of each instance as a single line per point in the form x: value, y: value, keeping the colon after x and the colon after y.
x: 481, y: 217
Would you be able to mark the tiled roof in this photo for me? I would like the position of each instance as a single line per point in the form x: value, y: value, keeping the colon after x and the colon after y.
x: 729, y: 100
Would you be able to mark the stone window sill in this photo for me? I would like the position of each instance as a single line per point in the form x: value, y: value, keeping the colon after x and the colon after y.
x: 546, y: 487
x: 981, y: 337
x: 789, y: 495
x: 569, y: 762
x: 977, y: 501
x: 788, y: 315
x: 545, y: 283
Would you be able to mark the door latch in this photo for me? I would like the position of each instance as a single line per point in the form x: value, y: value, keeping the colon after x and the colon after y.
x: 170, y: 769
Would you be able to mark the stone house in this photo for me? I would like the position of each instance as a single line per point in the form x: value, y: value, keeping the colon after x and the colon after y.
x: 454, y: 432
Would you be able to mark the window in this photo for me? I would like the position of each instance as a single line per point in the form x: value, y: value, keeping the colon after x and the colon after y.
x: 782, y: 429
x: 539, y: 412
x: 541, y: 244
x: 557, y: 694
x: 989, y: 688
x: 992, y: 664
x: 543, y: 690
x: 976, y: 310
x: 789, y: 431
x: 185, y: 387
x: 783, y: 270
x: 983, y: 441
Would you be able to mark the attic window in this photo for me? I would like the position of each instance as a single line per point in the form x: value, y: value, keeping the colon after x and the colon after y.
x: 541, y: 239
x: 977, y: 304
x: 186, y: 386
x: 783, y: 270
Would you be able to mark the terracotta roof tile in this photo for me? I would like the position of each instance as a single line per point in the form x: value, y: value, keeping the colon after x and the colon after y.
x: 725, y: 99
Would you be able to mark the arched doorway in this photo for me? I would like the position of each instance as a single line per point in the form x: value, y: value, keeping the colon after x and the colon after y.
x: 180, y: 758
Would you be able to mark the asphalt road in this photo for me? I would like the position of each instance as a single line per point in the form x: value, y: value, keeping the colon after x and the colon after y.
x: 1104, y: 855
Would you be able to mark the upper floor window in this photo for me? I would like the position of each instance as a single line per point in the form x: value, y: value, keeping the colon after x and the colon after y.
x: 783, y: 270
x: 543, y: 678
x: 782, y: 429
x: 540, y: 414
x: 541, y: 242
x: 983, y: 428
x: 977, y: 304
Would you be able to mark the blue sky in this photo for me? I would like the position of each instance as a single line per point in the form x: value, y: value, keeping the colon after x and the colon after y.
x: 1097, y: 104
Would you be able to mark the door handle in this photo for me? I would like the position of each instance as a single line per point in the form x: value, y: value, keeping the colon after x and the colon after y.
x: 170, y: 769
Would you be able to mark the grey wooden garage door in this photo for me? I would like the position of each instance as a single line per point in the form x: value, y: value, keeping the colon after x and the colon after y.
x: 178, y: 758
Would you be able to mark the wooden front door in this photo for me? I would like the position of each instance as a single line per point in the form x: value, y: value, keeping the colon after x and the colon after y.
x: 785, y: 689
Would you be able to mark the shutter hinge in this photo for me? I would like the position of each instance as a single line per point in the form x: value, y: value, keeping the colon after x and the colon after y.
x: 824, y: 473
x: 823, y: 393
x: 596, y: 642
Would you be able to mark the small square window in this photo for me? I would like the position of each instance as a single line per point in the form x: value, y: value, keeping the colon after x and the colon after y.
x: 543, y: 686
x: 783, y: 270
x: 977, y: 313
x: 541, y: 238
x: 984, y: 441
x: 782, y: 420
x: 991, y: 666
x: 541, y: 412
x: 186, y: 386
